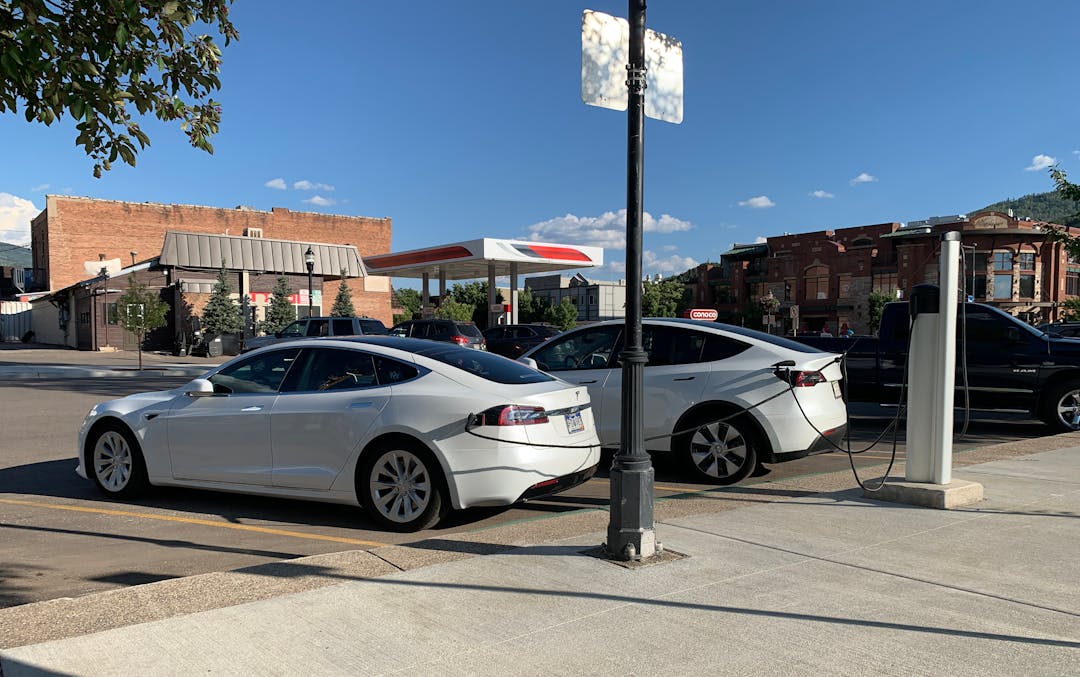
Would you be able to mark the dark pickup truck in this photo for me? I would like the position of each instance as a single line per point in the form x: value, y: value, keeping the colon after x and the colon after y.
x: 1010, y: 366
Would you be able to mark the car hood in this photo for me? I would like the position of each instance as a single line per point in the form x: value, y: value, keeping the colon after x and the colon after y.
x: 138, y: 401
x: 1060, y: 345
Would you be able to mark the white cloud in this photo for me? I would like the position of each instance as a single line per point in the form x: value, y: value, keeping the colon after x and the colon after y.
x: 1040, y: 162
x: 607, y: 230
x: 674, y: 264
x: 822, y: 194
x: 669, y: 248
x: 304, y: 184
x: 759, y: 202
x: 863, y: 178
x: 760, y: 240
x: 276, y: 184
x: 38, y: 189
x: 320, y: 201
x: 15, y: 215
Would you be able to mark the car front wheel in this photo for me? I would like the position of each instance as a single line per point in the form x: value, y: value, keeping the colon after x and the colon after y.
x: 719, y: 448
x: 401, y: 487
x: 116, y: 462
x: 1061, y: 409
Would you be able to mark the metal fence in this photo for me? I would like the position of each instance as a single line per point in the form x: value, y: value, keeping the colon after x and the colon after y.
x: 14, y: 320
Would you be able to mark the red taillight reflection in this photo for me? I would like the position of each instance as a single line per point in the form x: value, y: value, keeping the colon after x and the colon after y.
x: 513, y: 414
x: 806, y: 379
x: 460, y: 340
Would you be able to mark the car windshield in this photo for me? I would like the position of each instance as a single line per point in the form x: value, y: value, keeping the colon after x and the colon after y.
x: 485, y: 365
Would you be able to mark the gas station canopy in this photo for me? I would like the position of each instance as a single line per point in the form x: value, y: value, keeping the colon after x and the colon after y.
x: 480, y: 259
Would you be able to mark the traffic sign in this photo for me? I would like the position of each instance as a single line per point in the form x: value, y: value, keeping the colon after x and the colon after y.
x: 794, y: 312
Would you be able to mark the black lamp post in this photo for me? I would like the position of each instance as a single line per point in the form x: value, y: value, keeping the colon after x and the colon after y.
x: 309, y: 261
x: 105, y: 274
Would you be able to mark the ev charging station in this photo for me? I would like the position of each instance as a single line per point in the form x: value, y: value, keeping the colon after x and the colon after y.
x: 931, y: 375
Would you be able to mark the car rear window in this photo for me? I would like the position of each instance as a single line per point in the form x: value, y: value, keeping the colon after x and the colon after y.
x: 469, y: 330
x: 483, y: 364
x: 768, y: 338
x: 373, y: 327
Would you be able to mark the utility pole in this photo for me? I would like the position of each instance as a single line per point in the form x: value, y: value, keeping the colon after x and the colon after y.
x: 631, y: 534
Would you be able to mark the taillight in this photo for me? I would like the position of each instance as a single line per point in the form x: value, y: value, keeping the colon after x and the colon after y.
x: 513, y: 414
x: 460, y: 340
x: 805, y: 379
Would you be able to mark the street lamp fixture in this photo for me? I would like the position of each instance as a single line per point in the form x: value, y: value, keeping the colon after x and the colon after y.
x: 309, y: 261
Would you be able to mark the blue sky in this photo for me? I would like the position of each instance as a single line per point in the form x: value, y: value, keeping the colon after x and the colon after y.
x: 464, y: 120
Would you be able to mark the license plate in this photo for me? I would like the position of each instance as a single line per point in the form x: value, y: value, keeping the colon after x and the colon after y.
x: 836, y: 389
x: 574, y: 424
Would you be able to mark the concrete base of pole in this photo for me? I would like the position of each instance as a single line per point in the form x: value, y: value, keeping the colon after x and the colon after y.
x: 955, y: 494
x: 631, y: 535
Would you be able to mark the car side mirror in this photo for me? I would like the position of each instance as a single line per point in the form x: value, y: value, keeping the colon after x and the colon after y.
x: 199, y: 387
x: 277, y: 334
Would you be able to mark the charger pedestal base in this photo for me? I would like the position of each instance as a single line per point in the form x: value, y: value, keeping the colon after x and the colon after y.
x: 955, y: 494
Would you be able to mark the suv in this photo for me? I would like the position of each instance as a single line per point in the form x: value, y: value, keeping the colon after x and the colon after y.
x: 313, y: 327
x: 511, y: 340
x: 462, y: 333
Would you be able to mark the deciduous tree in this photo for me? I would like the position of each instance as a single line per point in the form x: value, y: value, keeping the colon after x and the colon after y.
x: 96, y: 60
x: 140, y: 310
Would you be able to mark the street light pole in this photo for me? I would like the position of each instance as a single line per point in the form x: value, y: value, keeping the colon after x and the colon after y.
x: 309, y: 261
x: 631, y: 534
x: 105, y: 273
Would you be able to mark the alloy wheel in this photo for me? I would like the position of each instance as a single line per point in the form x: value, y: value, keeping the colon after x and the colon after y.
x: 400, y: 486
x: 719, y: 450
x: 113, y: 461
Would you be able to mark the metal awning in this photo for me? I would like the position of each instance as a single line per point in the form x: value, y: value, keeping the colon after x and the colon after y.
x: 199, y: 250
x: 476, y: 259
x: 738, y: 250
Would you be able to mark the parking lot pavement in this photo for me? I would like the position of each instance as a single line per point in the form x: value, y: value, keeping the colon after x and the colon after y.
x: 831, y: 583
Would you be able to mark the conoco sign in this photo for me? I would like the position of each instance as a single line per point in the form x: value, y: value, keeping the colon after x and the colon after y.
x: 709, y: 314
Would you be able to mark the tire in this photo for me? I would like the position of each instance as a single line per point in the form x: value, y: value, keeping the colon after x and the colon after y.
x: 116, y: 462
x: 719, y: 452
x: 1061, y: 408
x: 401, y: 486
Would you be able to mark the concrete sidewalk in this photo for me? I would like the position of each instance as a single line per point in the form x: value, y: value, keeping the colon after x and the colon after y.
x: 830, y: 584
x: 31, y: 361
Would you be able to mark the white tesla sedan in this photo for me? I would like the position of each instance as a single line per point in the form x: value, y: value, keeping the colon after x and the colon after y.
x: 405, y: 427
x: 724, y: 398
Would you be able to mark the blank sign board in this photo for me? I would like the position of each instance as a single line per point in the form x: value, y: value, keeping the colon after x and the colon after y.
x: 605, y: 53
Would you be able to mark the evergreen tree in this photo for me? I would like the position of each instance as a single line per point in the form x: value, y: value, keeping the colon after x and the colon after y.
x: 281, y: 310
x: 140, y: 310
x: 343, y: 306
x: 562, y: 315
x: 222, y: 313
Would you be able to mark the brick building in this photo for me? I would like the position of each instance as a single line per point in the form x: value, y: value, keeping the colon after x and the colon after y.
x: 74, y: 231
x: 822, y: 280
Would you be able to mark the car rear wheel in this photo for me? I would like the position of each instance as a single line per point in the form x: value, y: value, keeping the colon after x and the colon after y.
x: 402, y: 487
x: 1061, y: 409
x: 719, y: 448
x: 116, y: 462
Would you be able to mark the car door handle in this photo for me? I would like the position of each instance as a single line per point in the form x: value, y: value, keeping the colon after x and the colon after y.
x: 359, y: 405
x: 253, y: 407
x: 581, y: 383
x: 685, y: 378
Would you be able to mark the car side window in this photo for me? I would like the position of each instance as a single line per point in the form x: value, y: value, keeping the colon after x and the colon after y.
x: 719, y: 347
x: 342, y: 326
x: 671, y: 345
x: 441, y: 330
x: 318, y: 328
x: 258, y: 374
x: 591, y: 348
x: 391, y: 371
x: 295, y: 329
x: 335, y: 369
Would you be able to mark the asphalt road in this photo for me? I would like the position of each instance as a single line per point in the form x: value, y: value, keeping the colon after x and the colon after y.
x: 63, y: 539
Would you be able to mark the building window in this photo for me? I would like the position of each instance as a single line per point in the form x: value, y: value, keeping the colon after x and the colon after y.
x: 844, y: 289
x: 789, y: 289
x: 1072, y: 281
x: 1003, y: 262
x: 817, y: 283
x: 975, y: 278
x: 885, y: 283
x: 110, y: 308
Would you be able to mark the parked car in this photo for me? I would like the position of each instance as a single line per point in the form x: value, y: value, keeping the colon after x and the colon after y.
x: 312, y: 327
x: 722, y: 398
x: 407, y: 428
x: 462, y: 333
x: 511, y: 340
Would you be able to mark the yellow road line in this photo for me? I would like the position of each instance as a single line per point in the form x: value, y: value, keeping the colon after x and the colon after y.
x: 192, y: 520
